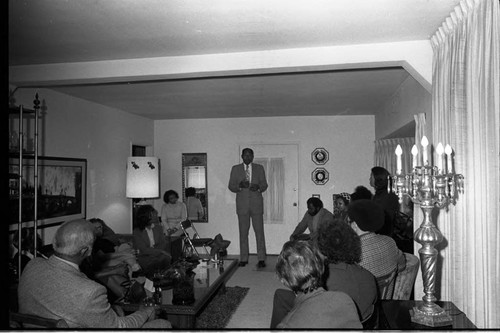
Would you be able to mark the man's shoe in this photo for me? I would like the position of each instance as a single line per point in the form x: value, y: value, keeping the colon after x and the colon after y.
x: 243, y: 263
x: 261, y: 264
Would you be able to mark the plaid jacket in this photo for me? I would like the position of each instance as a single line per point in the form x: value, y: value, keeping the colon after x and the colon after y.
x: 380, y: 255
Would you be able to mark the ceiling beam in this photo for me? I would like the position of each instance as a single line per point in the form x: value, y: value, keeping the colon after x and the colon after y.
x: 414, y: 56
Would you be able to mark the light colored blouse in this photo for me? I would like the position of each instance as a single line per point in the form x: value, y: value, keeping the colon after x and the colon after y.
x: 172, y: 215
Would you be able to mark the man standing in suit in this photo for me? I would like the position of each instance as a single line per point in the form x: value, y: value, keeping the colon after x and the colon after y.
x: 248, y: 181
x: 55, y: 288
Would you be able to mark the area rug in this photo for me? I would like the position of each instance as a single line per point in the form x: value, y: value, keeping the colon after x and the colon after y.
x: 219, y: 311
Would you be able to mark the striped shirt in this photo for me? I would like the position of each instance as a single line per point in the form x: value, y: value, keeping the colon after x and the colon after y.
x: 380, y: 255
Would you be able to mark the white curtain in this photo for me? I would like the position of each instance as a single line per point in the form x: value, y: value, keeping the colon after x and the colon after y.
x: 385, y: 154
x: 273, y: 197
x: 466, y: 114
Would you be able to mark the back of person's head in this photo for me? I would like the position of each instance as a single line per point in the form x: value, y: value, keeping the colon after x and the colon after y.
x: 97, y: 220
x: 143, y: 216
x: 316, y: 202
x: 380, y: 177
x: 339, y: 243
x: 300, y: 266
x: 368, y: 215
x: 361, y: 192
x: 168, y: 194
x: 190, y: 192
x: 72, y: 237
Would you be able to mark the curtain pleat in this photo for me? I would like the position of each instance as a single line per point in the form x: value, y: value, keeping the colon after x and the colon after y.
x: 273, y: 197
x: 466, y: 114
x: 385, y: 154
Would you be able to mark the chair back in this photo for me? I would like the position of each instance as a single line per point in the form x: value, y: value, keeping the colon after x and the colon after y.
x: 19, y: 320
x: 187, y: 224
x: 385, y: 285
x: 405, y: 280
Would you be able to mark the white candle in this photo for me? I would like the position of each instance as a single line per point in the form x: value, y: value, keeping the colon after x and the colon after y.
x: 399, y: 152
x: 414, y: 152
x: 424, y: 143
x: 440, y: 151
x: 448, y: 151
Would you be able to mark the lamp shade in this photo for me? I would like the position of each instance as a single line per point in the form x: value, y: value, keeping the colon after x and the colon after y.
x: 142, y: 177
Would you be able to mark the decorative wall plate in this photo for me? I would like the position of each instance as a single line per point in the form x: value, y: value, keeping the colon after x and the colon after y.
x: 320, y: 156
x: 320, y: 176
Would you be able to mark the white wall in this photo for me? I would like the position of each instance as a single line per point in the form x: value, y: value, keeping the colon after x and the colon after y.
x: 409, y: 99
x: 349, y: 139
x: 77, y: 128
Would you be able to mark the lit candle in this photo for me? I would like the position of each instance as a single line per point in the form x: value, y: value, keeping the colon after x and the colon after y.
x: 448, y: 151
x: 440, y: 151
x: 399, y: 152
x: 414, y: 152
x: 424, y: 143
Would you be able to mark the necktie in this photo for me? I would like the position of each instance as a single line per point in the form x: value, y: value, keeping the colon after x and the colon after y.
x: 247, y: 173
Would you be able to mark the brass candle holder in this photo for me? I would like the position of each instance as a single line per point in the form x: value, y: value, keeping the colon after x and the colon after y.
x: 429, y: 186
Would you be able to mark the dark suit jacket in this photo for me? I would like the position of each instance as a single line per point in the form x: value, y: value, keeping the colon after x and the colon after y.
x: 247, y: 200
x: 54, y: 289
x: 141, y: 240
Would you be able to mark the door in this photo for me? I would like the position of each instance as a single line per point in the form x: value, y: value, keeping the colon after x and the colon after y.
x: 281, y: 198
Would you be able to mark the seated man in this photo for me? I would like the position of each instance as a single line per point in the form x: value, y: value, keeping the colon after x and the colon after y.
x: 379, y: 253
x: 107, y: 253
x: 342, y: 248
x: 313, y: 218
x: 55, y: 288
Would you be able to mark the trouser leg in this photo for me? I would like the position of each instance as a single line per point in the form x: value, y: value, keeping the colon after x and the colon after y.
x: 244, y: 226
x: 258, y: 227
x: 282, y: 304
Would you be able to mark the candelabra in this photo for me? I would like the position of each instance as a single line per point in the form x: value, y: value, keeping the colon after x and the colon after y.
x: 429, y: 186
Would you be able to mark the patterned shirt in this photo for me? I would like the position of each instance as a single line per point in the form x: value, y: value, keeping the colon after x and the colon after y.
x: 380, y: 255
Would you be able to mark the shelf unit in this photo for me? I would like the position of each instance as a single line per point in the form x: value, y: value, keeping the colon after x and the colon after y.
x: 20, y: 153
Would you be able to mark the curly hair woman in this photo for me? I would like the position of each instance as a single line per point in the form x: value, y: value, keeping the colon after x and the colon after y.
x: 300, y: 267
x: 342, y: 248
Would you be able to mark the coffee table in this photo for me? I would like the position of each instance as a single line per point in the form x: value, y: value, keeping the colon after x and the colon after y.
x: 208, y: 280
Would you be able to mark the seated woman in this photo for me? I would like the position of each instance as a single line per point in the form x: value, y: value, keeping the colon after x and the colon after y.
x: 342, y: 248
x: 195, y: 211
x: 150, y: 241
x: 173, y: 212
x: 300, y: 267
x: 107, y: 253
x: 342, y: 200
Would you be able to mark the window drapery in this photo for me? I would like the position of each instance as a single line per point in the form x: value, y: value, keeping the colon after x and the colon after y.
x: 384, y: 154
x: 273, y: 197
x: 466, y: 114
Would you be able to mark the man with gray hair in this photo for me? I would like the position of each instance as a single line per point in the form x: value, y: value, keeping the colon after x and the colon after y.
x: 55, y: 288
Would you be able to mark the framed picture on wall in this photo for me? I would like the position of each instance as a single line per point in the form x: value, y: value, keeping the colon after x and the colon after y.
x: 320, y: 176
x: 320, y: 156
x: 61, y: 191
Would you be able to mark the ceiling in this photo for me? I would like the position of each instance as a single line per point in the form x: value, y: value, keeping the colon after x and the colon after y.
x: 61, y: 31
x: 317, y: 93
